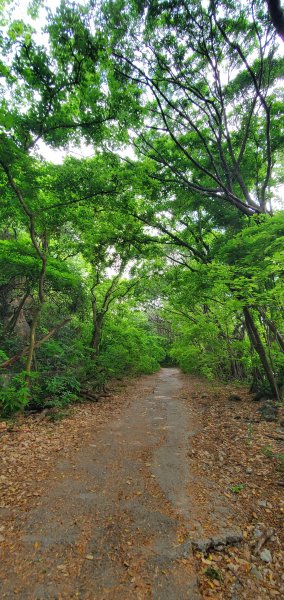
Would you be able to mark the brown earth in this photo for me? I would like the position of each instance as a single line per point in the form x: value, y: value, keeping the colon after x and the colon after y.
x: 142, y: 496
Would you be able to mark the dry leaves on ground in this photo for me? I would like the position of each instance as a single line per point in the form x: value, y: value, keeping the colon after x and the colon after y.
x: 243, y: 455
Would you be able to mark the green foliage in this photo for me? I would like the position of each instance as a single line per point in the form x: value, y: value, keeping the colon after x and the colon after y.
x: 14, y: 394
x: 3, y: 356
x: 118, y: 262
x: 17, y: 258
x: 130, y: 347
x: 213, y: 573
x: 60, y: 390
x: 236, y: 489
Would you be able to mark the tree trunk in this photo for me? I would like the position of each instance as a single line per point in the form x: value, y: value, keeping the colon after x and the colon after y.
x: 258, y: 346
x: 97, y: 332
x: 273, y: 328
x: 277, y: 16
x: 36, y: 318
x: 256, y: 380
x: 32, y: 341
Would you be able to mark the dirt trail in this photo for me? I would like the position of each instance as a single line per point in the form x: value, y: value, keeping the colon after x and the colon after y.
x: 116, y: 518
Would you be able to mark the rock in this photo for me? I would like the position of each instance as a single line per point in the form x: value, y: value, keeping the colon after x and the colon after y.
x: 227, y: 538
x: 265, y: 555
x: 2, y: 539
x: 257, y: 533
x: 256, y: 573
x: 269, y: 412
x: 236, y: 590
x: 234, y: 398
x: 233, y: 537
x: 248, y: 471
x: 262, y: 503
x: 259, y: 396
x: 202, y: 545
x: 184, y: 550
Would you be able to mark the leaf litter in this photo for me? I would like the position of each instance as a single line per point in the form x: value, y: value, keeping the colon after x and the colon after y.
x: 229, y: 448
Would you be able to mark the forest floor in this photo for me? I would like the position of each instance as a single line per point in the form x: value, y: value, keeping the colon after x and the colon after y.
x: 165, y: 490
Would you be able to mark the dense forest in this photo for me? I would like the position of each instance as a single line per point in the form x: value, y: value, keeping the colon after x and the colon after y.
x: 156, y: 236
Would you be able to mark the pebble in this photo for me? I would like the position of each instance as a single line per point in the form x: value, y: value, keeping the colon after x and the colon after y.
x: 262, y: 503
x: 265, y: 555
x: 2, y: 539
x: 257, y: 532
x: 255, y: 572
x: 248, y: 471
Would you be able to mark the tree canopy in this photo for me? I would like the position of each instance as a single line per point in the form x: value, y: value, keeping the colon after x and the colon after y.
x: 162, y: 243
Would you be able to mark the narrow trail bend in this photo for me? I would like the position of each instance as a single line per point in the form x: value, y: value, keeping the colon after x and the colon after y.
x: 116, y: 517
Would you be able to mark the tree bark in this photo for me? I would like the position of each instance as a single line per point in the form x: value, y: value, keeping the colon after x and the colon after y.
x: 36, y: 317
x: 258, y: 346
x: 276, y: 12
x: 32, y: 341
x: 97, y: 332
x: 279, y: 338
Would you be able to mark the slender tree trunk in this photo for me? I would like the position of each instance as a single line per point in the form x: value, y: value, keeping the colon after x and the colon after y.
x: 97, y: 332
x: 273, y: 328
x: 36, y: 318
x: 258, y: 346
x: 32, y: 341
